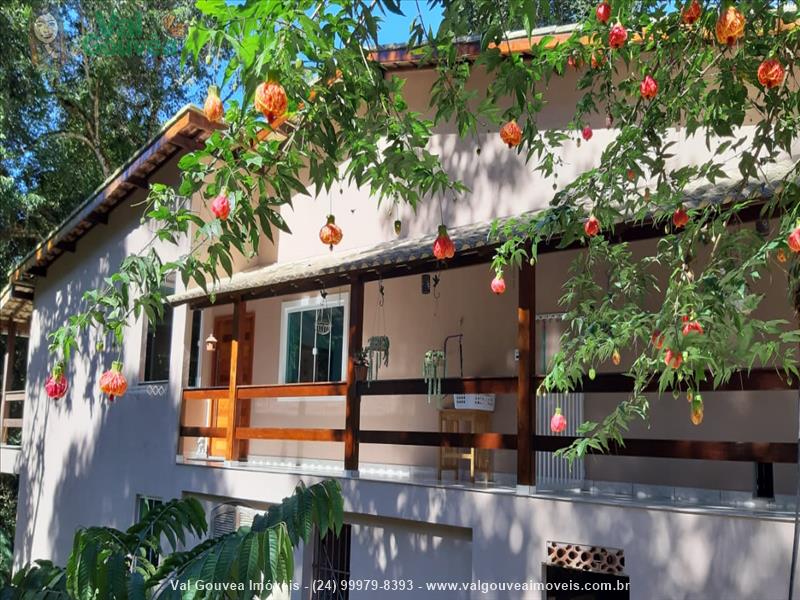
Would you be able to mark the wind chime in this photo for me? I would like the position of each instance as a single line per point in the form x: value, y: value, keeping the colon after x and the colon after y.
x: 378, y: 345
x: 434, y: 366
x: 434, y: 363
x: 323, y: 324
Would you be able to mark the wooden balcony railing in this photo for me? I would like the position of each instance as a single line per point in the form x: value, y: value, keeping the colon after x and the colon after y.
x: 763, y: 452
x: 13, y: 403
x: 525, y: 442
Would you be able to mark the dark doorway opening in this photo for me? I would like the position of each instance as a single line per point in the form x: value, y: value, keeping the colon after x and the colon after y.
x: 564, y: 583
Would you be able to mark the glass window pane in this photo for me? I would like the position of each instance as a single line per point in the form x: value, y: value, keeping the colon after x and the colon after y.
x: 309, y: 319
x: 336, y: 344
x: 159, y: 337
x: 194, y: 350
x: 312, y: 356
x: 157, y: 347
x: 323, y: 347
x: 292, y: 346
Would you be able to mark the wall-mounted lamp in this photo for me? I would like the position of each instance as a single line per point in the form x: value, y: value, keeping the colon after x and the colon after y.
x: 211, y: 343
x: 762, y: 227
x: 426, y: 283
x: 430, y: 284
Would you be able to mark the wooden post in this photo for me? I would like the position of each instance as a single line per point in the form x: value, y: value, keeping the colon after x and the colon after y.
x: 352, y: 431
x: 526, y: 420
x: 232, y: 444
x: 8, y: 378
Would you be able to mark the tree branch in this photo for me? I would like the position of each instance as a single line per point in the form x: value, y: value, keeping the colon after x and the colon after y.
x: 101, y: 159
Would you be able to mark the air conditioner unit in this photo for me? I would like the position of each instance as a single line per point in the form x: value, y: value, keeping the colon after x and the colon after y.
x: 227, y: 518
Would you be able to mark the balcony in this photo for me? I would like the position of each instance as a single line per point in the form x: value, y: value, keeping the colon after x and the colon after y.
x: 12, y: 388
x: 11, y: 419
x: 386, y: 428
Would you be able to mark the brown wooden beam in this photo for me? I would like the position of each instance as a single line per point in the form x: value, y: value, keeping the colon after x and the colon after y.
x: 467, y: 385
x: 777, y: 452
x: 292, y: 390
x: 66, y: 245
x: 489, y: 441
x: 301, y: 434
x: 214, y: 393
x: 97, y: 218
x: 21, y: 294
x: 231, y: 443
x: 780, y: 452
x: 353, y: 407
x: 140, y: 182
x: 526, y: 344
x: 210, y: 432
x: 185, y: 142
x: 754, y: 380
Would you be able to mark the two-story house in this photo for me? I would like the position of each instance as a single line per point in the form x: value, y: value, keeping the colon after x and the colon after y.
x: 236, y: 399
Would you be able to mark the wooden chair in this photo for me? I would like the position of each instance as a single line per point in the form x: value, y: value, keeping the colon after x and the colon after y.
x: 453, y: 420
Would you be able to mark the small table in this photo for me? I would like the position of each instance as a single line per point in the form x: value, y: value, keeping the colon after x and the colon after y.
x: 452, y: 420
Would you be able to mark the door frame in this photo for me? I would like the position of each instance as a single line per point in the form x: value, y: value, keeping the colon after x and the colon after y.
x: 244, y: 415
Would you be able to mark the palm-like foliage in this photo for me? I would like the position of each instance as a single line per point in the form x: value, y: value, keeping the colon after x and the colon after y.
x: 111, y: 564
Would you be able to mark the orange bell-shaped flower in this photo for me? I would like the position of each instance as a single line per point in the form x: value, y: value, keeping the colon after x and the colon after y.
x: 270, y: 100
x: 511, y: 134
x: 330, y: 234
x: 771, y: 73
x: 213, y: 109
x: 443, y: 247
x: 113, y: 382
x: 730, y: 26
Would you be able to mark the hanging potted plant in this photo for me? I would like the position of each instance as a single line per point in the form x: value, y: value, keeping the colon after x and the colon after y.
x: 378, y: 345
x: 378, y: 349
x: 362, y: 364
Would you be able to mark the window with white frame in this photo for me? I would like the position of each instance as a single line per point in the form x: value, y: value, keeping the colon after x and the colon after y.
x: 313, y: 344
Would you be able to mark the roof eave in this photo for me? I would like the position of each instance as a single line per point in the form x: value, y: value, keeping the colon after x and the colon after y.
x: 64, y: 236
x: 399, y: 56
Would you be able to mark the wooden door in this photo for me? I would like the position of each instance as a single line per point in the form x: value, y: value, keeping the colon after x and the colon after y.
x: 221, y: 371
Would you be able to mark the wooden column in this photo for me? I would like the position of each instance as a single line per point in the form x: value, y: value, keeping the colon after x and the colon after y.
x: 8, y: 378
x: 526, y: 419
x: 232, y: 445
x: 352, y: 431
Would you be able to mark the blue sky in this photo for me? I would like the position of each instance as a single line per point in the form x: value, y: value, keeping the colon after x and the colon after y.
x: 395, y: 27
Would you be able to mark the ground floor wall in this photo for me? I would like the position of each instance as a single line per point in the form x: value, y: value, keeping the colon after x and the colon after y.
x: 436, y: 534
